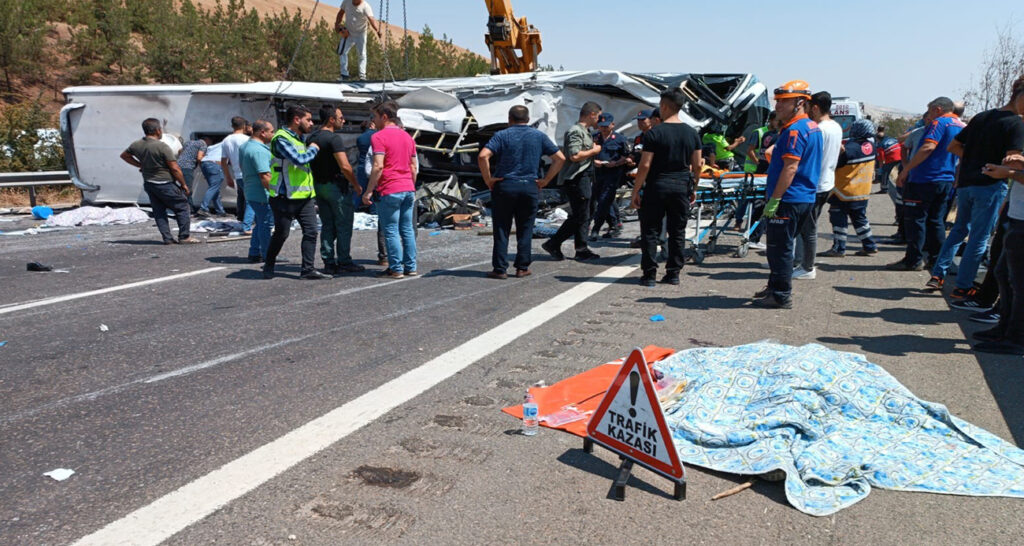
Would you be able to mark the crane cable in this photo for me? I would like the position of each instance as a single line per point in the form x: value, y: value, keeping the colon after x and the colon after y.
x: 291, y: 63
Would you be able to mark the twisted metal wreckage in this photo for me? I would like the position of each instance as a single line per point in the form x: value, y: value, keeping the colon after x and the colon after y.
x: 450, y: 120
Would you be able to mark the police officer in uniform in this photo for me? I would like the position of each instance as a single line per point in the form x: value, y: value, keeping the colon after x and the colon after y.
x: 609, y: 168
x: 291, y: 191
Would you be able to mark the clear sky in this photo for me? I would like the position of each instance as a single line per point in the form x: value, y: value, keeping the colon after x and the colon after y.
x: 896, y: 53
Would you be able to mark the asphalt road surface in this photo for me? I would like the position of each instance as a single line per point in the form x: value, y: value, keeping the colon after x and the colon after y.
x: 217, y: 407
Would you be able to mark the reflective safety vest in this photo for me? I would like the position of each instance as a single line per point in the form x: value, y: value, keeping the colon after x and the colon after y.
x: 748, y: 165
x: 286, y: 177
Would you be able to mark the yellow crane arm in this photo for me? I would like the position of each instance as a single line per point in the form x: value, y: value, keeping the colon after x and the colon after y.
x: 506, y: 36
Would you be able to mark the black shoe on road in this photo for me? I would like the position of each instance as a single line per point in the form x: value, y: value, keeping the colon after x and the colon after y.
x: 769, y: 302
x: 554, y: 251
x: 648, y: 281
x: 670, y: 279
x: 992, y: 334
x: 1001, y: 347
x: 586, y: 254
x: 314, y: 275
x: 903, y: 266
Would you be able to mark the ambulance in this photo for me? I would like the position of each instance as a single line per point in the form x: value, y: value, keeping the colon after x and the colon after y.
x: 845, y: 111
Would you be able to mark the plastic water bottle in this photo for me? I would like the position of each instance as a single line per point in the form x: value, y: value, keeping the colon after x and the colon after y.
x: 530, y: 418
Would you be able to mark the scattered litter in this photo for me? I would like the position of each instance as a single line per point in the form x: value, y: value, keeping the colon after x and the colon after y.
x: 42, y: 212
x: 432, y: 233
x: 657, y: 318
x: 36, y: 266
x: 61, y: 271
x: 2, y: 343
x: 104, y: 328
x: 734, y: 490
x: 292, y: 537
x: 175, y: 270
x: 217, y: 226
x: 97, y: 216
x: 59, y: 474
x: 557, y: 215
x: 364, y: 222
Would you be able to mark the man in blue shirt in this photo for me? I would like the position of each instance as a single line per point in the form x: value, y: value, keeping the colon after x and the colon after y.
x: 255, y: 158
x: 927, y: 182
x: 515, y: 186
x: 793, y: 174
x: 610, y: 170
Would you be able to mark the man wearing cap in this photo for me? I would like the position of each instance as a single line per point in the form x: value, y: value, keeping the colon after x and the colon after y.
x: 793, y: 173
x: 927, y: 182
x: 610, y: 168
x: 577, y: 178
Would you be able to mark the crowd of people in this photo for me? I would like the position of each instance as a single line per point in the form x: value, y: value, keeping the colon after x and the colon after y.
x: 296, y: 173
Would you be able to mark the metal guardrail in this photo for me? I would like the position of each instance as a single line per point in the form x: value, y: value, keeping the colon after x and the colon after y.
x: 31, y: 180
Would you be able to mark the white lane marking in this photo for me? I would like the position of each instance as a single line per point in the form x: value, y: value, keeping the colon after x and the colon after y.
x: 116, y: 389
x: 168, y: 515
x: 69, y: 297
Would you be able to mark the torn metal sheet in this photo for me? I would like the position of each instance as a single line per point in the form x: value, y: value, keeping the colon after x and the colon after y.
x: 451, y: 118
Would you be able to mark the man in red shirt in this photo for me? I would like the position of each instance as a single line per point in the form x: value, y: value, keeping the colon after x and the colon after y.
x: 393, y: 178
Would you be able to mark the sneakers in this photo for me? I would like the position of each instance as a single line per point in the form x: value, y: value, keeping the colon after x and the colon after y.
x: 554, y: 251
x: 832, y: 253
x: 586, y: 254
x: 804, y: 275
x: 963, y: 293
x: 495, y: 274
x: 867, y: 252
x: 969, y: 304
x: 756, y: 245
x: 904, y: 266
x: 986, y: 317
x: 934, y: 283
x: 769, y: 302
x: 1001, y: 347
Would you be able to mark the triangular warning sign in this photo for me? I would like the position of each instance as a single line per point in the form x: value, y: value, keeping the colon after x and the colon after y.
x: 630, y: 421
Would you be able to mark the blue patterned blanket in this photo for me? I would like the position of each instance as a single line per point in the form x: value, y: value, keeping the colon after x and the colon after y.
x: 835, y: 423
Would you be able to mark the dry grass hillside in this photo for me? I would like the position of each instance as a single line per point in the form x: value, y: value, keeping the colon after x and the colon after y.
x: 328, y: 13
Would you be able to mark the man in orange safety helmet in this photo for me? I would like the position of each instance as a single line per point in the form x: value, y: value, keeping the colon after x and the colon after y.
x: 793, y: 174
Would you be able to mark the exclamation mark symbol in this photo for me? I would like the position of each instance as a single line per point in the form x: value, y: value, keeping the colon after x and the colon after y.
x: 634, y: 386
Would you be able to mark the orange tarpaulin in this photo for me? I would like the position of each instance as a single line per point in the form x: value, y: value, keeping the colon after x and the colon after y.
x: 584, y: 391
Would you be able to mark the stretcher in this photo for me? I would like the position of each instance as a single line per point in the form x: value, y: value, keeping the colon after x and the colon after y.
x: 718, y: 200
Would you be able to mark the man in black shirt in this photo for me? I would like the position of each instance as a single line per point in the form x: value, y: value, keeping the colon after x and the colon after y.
x: 988, y: 138
x: 334, y: 180
x: 670, y: 169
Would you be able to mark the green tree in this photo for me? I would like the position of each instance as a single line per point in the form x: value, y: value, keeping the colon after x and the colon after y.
x: 26, y: 141
x: 22, y: 33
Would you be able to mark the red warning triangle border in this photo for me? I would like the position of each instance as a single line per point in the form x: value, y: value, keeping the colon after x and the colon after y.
x: 636, y: 359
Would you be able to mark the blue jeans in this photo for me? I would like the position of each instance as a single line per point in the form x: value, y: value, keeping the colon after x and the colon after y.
x: 395, y: 217
x: 781, y: 234
x: 263, y: 218
x: 214, y: 178
x: 924, y: 219
x: 976, y: 213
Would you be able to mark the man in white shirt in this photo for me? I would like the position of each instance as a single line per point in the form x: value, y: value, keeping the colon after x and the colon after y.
x: 232, y: 168
x: 832, y: 139
x: 357, y: 16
